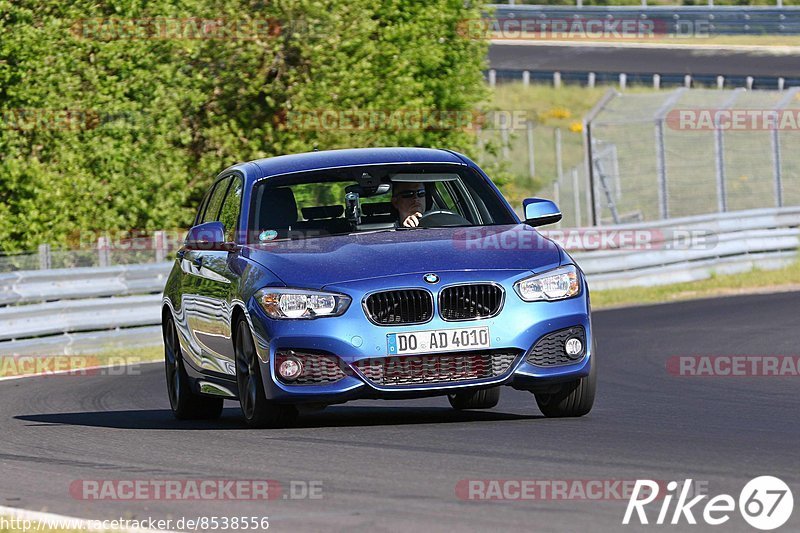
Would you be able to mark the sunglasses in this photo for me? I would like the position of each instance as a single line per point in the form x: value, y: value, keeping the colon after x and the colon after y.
x: 411, y: 194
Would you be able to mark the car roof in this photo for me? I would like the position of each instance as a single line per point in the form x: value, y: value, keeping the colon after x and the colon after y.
x: 352, y: 157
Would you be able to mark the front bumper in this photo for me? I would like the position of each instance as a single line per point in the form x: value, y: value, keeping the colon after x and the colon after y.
x: 353, y: 338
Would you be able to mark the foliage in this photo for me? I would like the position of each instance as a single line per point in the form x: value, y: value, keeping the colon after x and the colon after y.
x: 102, y: 131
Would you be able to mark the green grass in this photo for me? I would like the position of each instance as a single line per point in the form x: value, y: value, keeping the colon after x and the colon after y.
x: 717, y: 285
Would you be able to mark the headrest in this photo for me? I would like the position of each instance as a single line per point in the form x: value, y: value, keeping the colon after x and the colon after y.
x: 278, y: 209
x: 322, y: 211
x: 376, y: 208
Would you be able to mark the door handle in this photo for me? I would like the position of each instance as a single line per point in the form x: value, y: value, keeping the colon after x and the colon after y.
x: 198, y: 261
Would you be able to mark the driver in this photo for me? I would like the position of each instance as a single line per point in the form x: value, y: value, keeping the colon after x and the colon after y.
x: 409, y: 200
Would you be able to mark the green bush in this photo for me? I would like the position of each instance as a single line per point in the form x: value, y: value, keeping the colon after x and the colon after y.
x: 99, y: 132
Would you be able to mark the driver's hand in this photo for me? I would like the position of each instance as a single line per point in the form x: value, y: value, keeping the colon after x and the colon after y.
x: 413, y: 220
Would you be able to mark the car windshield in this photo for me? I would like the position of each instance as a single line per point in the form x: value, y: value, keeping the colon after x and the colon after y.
x: 373, y: 198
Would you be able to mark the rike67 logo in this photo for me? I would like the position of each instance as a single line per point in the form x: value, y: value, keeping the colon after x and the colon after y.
x: 766, y: 503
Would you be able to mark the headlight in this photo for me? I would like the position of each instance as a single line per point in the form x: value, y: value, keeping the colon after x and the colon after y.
x: 557, y: 284
x: 298, y: 303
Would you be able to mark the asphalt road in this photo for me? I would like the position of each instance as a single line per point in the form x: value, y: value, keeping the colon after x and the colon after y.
x: 395, y: 466
x: 641, y: 60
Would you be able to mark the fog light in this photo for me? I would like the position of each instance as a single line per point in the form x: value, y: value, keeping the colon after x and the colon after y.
x: 290, y: 369
x: 573, y: 346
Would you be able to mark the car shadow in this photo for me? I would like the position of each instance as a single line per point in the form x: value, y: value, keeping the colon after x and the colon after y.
x: 335, y: 416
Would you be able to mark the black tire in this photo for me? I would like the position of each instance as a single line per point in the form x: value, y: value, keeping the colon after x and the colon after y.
x: 184, y: 403
x: 257, y: 410
x: 479, y: 399
x: 573, y: 399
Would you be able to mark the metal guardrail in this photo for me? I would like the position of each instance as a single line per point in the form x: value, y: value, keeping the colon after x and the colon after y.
x: 731, y: 242
x: 97, y: 309
x: 30, y: 286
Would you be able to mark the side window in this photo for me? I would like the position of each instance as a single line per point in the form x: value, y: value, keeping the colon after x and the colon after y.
x: 446, y: 195
x: 199, y: 216
x: 215, y: 201
x: 229, y: 215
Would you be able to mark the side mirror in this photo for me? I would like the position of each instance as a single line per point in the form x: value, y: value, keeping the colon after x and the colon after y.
x: 208, y: 236
x: 540, y: 212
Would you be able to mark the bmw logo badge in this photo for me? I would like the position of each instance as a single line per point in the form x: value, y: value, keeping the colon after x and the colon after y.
x: 431, y: 278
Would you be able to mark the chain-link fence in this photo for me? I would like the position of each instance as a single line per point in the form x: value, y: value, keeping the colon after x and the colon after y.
x: 102, y: 251
x: 683, y: 153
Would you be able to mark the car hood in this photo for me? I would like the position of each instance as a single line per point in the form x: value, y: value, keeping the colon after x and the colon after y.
x: 321, y: 261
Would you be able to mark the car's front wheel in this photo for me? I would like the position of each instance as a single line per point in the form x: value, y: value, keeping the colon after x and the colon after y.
x: 575, y: 398
x: 258, y: 411
x: 479, y: 399
x: 184, y: 403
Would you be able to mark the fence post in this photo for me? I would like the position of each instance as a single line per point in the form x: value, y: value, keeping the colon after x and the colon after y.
x: 492, y: 77
x: 103, y: 251
x: 559, y: 160
x: 160, y: 245
x: 557, y: 196
x: 777, y: 171
x: 587, y: 152
x: 45, y: 259
x: 661, y: 169
x: 661, y: 158
x: 556, y: 79
x: 719, y: 166
x: 531, y: 158
x: 576, y: 197
x: 526, y: 77
x: 590, y: 79
x: 719, y: 154
x: 504, y: 138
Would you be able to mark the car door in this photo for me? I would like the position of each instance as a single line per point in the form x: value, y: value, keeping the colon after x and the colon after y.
x: 189, y: 346
x: 216, y: 283
x: 204, y: 290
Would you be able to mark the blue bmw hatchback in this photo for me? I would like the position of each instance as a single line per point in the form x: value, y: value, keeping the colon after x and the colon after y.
x: 391, y: 273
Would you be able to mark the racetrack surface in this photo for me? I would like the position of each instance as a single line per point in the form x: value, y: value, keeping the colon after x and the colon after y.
x: 394, y: 466
x: 641, y: 60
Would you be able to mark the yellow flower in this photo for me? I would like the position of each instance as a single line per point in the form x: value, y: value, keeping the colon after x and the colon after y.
x: 576, y: 126
x: 558, y: 113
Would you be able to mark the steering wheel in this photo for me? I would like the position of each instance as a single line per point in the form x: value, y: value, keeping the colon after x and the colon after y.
x: 442, y: 218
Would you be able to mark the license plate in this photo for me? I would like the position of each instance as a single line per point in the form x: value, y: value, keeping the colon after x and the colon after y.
x: 438, y: 340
